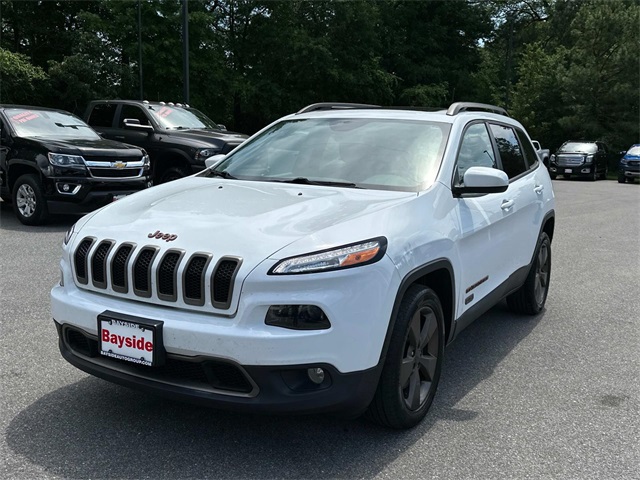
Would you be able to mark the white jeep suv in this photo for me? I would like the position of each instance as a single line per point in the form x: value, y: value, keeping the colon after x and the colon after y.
x: 321, y: 266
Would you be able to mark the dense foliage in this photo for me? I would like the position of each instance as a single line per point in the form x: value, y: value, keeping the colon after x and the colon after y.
x: 567, y: 69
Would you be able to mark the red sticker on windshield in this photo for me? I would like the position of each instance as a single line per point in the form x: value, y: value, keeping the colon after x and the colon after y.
x: 24, y: 117
x: 164, y: 112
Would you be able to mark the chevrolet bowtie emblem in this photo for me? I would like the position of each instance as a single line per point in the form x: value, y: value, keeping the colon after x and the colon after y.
x: 119, y: 165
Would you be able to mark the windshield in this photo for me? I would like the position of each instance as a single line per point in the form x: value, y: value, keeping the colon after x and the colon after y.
x: 634, y: 151
x: 49, y: 124
x: 578, y: 147
x: 181, y: 118
x: 366, y: 153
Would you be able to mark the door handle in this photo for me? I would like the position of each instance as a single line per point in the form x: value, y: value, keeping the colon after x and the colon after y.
x: 506, y: 204
x: 539, y: 189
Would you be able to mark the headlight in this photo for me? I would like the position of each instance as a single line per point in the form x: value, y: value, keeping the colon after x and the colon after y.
x: 202, y: 155
x: 348, y: 256
x: 62, y: 160
x: 623, y: 161
x: 589, y: 158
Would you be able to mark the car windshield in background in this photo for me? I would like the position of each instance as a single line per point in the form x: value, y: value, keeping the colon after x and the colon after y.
x: 171, y: 117
x: 351, y: 152
x: 578, y: 147
x: 49, y: 124
x: 634, y: 151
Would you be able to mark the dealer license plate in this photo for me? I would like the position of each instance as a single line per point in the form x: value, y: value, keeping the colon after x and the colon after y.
x: 130, y: 340
x: 567, y: 170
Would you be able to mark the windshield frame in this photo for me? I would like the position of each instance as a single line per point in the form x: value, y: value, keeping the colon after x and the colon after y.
x: 433, y: 165
x: 65, y: 129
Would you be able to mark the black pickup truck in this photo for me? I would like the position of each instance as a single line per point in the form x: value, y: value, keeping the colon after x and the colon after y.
x: 177, y: 137
x: 53, y: 162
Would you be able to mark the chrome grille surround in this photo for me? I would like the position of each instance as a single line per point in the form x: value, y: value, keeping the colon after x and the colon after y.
x: 155, y: 275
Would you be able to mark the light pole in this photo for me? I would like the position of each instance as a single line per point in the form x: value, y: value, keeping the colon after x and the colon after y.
x: 140, y: 51
x: 185, y: 50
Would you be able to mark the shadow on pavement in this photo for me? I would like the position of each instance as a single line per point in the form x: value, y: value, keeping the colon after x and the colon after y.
x: 8, y: 221
x: 93, y: 429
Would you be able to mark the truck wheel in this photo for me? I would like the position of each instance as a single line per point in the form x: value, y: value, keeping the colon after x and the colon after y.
x: 412, y: 367
x: 621, y: 178
x: 553, y: 176
x: 172, y: 173
x: 28, y: 200
x: 594, y: 175
x: 531, y: 297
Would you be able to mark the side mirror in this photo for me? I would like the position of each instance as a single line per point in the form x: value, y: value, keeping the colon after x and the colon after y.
x: 134, y: 124
x: 214, y: 160
x: 622, y: 153
x: 222, y: 127
x: 483, y: 180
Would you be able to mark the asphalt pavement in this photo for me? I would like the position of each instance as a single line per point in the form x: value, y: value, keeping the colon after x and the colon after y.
x: 552, y: 396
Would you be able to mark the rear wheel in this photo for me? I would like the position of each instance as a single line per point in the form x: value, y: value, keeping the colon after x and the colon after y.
x: 412, y: 367
x: 531, y: 297
x: 28, y: 201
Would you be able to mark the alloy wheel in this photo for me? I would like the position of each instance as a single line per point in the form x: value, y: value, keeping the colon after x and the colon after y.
x: 420, y: 358
x: 26, y: 200
x: 542, y: 273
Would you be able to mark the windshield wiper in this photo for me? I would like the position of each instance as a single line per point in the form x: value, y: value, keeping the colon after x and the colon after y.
x: 70, y: 126
x: 221, y: 173
x: 306, y: 181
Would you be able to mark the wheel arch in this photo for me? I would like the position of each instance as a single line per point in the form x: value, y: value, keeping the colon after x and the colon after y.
x: 549, y: 223
x: 438, y: 276
x: 17, y: 169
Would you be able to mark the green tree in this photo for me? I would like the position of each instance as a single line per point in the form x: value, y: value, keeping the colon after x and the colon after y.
x: 19, y: 79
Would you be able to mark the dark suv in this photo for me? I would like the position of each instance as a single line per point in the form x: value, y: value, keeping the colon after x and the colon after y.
x: 581, y: 159
x: 53, y: 162
x: 178, y: 138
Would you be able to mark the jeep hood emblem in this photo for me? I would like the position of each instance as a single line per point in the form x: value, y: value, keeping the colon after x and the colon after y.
x: 168, y: 237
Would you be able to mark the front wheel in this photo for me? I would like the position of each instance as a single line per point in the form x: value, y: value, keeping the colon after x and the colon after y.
x: 622, y: 178
x: 28, y: 201
x: 531, y: 297
x: 172, y: 173
x: 412, y: 367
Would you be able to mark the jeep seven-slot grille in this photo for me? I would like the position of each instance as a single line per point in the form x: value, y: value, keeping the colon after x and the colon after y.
x: 106, y: 264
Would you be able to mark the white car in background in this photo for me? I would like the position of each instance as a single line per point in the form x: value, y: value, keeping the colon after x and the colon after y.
x: 321, y: 266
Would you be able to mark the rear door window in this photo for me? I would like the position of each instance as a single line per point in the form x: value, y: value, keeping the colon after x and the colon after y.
x: 513, y: 162
x: 102, y: 115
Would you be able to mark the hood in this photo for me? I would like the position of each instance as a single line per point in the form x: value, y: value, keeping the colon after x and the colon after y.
x: 208, y: 136
x: 250, y: 220
x: 92, y: 148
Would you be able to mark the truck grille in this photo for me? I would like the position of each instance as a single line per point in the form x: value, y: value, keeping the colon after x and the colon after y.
x: 570, y: 160
x: 107, y: 167
x: 108, y: 265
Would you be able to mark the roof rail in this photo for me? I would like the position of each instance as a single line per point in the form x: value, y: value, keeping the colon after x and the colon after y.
x: 458, y: 107
x: 333, y: 106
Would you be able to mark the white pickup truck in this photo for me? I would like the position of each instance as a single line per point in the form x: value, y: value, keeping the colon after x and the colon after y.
x: 543, y: 153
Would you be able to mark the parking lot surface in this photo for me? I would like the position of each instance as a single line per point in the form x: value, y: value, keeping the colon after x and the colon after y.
x: 551, y: 396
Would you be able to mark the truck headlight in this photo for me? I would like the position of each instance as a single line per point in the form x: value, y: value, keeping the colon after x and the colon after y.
x: 63, y: 160
x: 203, y: 154
x: 589, y: 159
x: 347, y: 256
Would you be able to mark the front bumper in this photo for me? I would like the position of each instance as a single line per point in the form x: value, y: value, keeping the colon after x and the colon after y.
x: 578, y: 170
x: 631, y: 171
x: 224, y: 384
x: 85, y: 195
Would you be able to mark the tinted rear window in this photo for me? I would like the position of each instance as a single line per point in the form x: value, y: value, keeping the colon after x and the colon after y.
x: 102, y: 115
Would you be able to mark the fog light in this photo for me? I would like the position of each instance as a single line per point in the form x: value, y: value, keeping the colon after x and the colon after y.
x: 65, y: 187
x: 297, y: 317
x: 316, y: 375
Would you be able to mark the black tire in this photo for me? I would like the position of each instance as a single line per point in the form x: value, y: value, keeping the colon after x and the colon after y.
x: 604, y: 174
x: 594, y: 175
x: 567, y: 176
x: 553, y: 176
x: 531, y: 297
x: 622, y: 178
x: 412, y: 367
x: 172, y: 173
x: 28, y: 201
